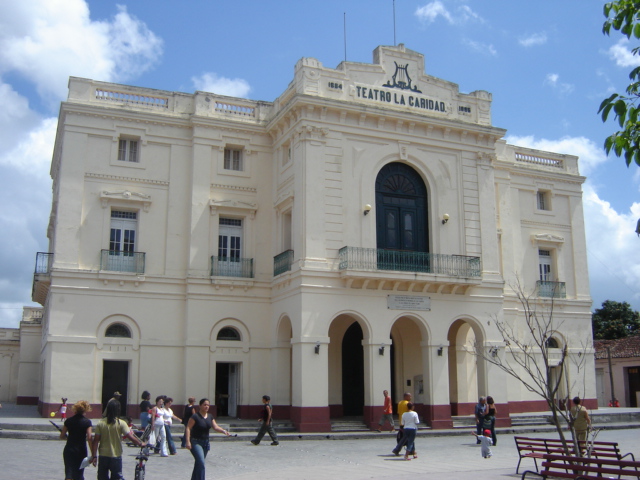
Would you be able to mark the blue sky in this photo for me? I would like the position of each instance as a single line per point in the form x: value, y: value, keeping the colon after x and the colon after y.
x: 547, y: 64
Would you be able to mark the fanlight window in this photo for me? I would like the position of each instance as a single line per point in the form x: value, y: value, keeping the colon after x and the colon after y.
x: 118, y: 330
x: 228, y: 333
x: 552, y: 343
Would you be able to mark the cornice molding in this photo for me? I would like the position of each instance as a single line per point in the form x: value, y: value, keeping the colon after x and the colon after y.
x: 126, y: 179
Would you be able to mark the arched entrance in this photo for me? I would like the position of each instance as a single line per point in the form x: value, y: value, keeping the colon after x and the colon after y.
x: 401, y: 209
x: 465, y: 372
x: 408, y: 373
x: 352, y: 371
x: 346, y: 367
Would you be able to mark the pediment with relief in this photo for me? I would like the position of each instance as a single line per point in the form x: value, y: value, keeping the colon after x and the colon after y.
x: 546, y: 237
x: 127, y: 196
x: 236, y: 205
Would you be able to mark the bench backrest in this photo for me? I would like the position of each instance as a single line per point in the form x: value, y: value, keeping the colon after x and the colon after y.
x: 563, y: 466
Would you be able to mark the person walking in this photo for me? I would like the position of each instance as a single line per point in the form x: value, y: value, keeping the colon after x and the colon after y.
x: 106, y: 448
x: 266, y: 426
x: 581, y: 420
x: 77, y: 432
x: 188, y: 411
x: 410, y: 421
x: 168, y: 417
x: 145, y: 406
x: 197, y: 437
x: 159, y: 436
x: 402, y: 409
x: 479, y: 414
x: 387, y: 413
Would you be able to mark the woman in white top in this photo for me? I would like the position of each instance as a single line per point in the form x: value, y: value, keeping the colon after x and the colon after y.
x: 168, y: 420
x: 157, y: 420
x: 410, y: 421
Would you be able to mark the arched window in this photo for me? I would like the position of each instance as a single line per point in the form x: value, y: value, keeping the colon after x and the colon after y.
x: 552, y: 343
x: 228, y: 333
x: 401, y: 209
x: 118, y: 330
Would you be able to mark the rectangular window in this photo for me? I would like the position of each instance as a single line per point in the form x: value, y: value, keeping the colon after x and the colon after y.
x: 230, y: 239
x: 233, y: 159
x: 543, y: 200
x: 122, y: 255
x: 544, y: 261
x: 128, y: 150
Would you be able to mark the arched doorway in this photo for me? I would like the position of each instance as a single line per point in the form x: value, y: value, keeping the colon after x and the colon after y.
x: 408, y: 373
x: 465, y: 371
x: 401, y: 209
x: 282, y: 358
x: 347, y: 383
x: 353, y: 371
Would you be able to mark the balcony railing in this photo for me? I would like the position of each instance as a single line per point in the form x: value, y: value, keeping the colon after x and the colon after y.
x: 551, y: 289
x: 282, y: 262
x: 44, y: 261
x: 117, y: 261
x: 358, y: 258
x: 231, y: 267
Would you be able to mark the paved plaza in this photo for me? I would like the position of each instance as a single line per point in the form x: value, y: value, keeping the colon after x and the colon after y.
x: 446, y: 457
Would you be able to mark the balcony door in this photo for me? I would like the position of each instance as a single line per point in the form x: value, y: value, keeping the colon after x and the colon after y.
x: 230, y: 247
x: 122, y: 241
x: 401, y: 217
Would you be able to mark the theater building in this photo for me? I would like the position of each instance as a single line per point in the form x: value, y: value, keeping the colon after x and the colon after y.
x: 362, y: 232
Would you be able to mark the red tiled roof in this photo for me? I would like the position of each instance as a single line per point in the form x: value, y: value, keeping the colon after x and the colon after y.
x: 620, y: 348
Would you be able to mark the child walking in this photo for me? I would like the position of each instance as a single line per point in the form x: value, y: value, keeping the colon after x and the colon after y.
x: 485, y: 442
x: 266, y: 423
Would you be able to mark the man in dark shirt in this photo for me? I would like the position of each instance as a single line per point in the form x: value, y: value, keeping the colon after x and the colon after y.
x: 266, y: 423
x: 479, y: 413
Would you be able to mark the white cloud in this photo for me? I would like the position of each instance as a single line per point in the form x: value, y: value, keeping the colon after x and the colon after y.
x: 553, y: 80
x: 532, y: 40
x: 42, y: 43
x: 622, y: 55
x: 611, y: 241
x: 479, y: 47
x: 431, y: 11
x: 210, y: 82
x: 46, y: 42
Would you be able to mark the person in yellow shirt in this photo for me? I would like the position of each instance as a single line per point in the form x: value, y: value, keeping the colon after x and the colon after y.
x: 581, y: 420
x: 402, y: 406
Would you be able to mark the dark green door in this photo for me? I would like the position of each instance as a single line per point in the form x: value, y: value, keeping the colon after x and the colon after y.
x: 401, y: 219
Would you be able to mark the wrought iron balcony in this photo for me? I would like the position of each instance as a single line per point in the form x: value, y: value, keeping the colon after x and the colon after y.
x: 372, y: 259
x: 118, y: 261
x: 231, y: 267
x: 551, y: 289
x: 282, y: 262
x: 42, y: 277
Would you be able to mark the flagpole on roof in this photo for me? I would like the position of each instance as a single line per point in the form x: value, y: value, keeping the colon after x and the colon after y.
x: 345, y: 36
x: 394, y: 23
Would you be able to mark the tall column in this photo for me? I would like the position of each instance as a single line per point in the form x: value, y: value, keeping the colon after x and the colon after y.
x: 310, y: 384
x: 435, y: 365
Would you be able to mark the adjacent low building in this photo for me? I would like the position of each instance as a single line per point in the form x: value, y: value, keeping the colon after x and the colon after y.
x: 618, y: 371
x: 362, y: 232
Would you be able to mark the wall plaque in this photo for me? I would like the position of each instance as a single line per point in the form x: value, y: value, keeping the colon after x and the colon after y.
x: 408, y: 302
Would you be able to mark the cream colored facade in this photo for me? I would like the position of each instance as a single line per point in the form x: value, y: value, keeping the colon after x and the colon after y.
x: 359, y: 233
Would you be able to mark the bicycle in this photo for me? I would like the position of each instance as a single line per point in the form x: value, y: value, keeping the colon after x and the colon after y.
x: 143, y: 456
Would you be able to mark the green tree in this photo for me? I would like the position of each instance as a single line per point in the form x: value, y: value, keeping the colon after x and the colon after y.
x: 624, y: 16
x: 615, y: 320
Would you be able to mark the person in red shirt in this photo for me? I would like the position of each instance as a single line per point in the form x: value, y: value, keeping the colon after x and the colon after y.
x: 387, y: 413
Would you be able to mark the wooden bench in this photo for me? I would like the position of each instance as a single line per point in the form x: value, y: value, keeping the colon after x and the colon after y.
x: 583, y: 468
x: 536, y: 448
